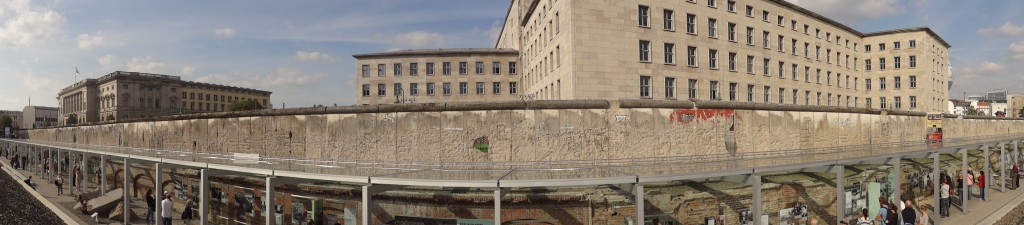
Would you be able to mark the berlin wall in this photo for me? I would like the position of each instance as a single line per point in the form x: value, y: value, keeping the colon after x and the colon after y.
x: 523, y: 130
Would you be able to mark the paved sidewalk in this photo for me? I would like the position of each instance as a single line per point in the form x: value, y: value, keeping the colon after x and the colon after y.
x: 997, y: 205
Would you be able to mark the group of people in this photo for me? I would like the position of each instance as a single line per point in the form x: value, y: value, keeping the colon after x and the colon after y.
x: 166, y: 209
x: 891, y: 214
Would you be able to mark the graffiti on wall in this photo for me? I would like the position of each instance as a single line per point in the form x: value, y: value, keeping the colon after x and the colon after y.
x: 685, y: 116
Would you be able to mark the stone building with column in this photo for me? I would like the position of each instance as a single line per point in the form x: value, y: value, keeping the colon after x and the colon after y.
x: 124, y: 95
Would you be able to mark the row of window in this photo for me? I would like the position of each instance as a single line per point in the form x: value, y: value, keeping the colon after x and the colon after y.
x: 216, y: 107
x: 715, y: 94
x: 446, y: 69
x: 446, y: 88
x: 896, y: 63
x: 215, y: 98
x: 668, y: 17
x: 692, y: 61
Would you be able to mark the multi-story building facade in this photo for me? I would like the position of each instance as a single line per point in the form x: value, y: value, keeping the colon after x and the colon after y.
x: 437, y: 75
x: 122, y: 95
x: 767, y: 51
x: 16, y: 117
x: 39, y: 117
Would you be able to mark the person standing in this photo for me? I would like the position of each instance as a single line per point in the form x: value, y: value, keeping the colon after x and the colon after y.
x: 924, y: 216
x: 969, y: 182
x: 883, y: 211
x: 60, y: 184
x: 167, y: 209
x: 864, y: 220
x: 151, y: 203
x: 981, y: 185
x: 944, y: 199
x: 1016, y: 175
x: 186, y: 214
x: 908, y: 214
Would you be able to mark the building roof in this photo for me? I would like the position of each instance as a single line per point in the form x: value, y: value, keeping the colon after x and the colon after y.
x: 41, y: 107
x: 794, y: 7
x: 442, y: 51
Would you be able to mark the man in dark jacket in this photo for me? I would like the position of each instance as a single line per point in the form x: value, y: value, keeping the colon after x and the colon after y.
x: 909, y: 215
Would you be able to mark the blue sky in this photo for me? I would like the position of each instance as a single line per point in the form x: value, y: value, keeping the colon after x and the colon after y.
x: 301, y: 50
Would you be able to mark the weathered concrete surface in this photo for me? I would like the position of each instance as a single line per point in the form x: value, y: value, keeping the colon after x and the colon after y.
x: 105, y: 202
x: 547, y: 132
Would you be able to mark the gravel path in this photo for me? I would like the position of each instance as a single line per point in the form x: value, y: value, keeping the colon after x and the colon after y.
x: 17, y: 206
x: 1015, y: 216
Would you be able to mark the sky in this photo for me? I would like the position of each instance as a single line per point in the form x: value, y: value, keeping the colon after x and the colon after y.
x: 302, y: 49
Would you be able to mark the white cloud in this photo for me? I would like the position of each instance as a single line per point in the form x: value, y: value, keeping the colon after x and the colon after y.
x: 1007, y: 29
x: 846, y: 11
x: 281, y: 77
x: 225, y: 32
x: 109, y: 62
x: 37, y: 83
x: 21, y: 24
x: 990, y: 67
x: 188, y: 70
x: 313, y: 56
x: 145, y: 65
x: 135, y: 64
x: 86, y: 41
x: 1017, y: 51
x: 419, y: 39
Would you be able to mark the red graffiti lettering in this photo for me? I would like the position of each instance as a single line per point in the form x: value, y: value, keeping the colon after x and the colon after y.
x: 690, y: 115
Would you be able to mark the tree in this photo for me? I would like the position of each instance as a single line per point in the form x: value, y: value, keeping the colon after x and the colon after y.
x: 110, y: 117
x: 71, y: 120
x: 245, y: 104
x: 6, y: 121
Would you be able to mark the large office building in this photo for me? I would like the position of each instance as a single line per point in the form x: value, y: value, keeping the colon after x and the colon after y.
x: 39, y: 117
x: 767, y: 51
x: 438, y: 75
x: 123, y: 95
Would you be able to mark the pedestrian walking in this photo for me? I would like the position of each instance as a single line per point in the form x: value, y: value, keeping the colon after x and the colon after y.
x: 944, y: 199
x: 59, y: 181
x: 151, y: 203
x: 166, y: 209
x: 960, y: 187
x: 981, y: 185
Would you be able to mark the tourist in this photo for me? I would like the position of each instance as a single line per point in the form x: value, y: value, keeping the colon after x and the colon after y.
x: 1016, y: 175
x: 981, y: 185
x: 863, y: 220
x: 167, y: 208
x: 28, y: 181
x: 944, y: 199
x: 970, y: 182
x: 960, y: 188
x: 59, y: 181
x: 74, y: 178
x: 883, y: 211
x: 186, y: 214
x: 909, y: 215
x: 924, y: 216
x: 151, y: 203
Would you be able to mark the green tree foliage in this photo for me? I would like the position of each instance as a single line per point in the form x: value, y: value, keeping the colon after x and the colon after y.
x: 72, y: 120
x: 110, y: 118
x: 6, y: 121
x: 245, y: 104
